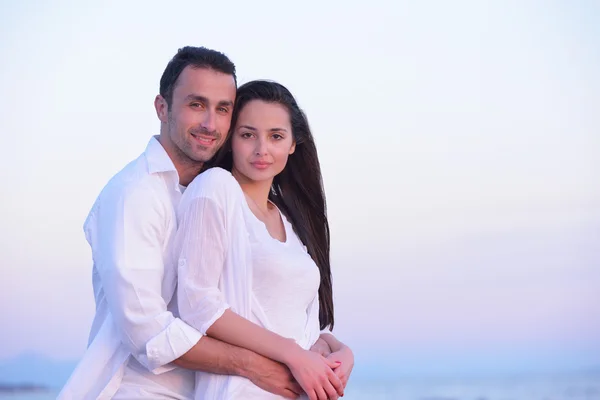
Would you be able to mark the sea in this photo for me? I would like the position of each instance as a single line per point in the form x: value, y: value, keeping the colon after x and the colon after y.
x: 565, y: 387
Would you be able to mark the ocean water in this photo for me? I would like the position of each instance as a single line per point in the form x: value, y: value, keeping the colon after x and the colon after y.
x: 50, y: 395
x: 570, y: 387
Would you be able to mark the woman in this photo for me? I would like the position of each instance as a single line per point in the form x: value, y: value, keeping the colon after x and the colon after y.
x: 253, y: 249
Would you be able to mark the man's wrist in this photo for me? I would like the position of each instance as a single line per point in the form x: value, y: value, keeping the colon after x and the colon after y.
x: 244, y: 362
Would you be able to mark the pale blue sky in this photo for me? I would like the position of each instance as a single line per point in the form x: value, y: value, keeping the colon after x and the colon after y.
x: 460, y: 145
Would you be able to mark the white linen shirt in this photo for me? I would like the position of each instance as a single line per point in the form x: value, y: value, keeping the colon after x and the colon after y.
x: 130, y: 229
x: 220, y: 256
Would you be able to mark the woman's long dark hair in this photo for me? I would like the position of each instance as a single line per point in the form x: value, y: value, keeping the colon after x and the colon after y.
x: 298, y: 189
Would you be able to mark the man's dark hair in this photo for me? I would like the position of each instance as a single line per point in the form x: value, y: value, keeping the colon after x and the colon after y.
x: 197, y: 57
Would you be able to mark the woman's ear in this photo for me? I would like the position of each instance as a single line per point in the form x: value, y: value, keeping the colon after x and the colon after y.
x: 293, y: 148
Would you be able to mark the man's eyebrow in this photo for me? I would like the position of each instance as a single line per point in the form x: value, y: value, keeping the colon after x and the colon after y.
x: 202, y: 99
x: 196, y: 97
x: 226, y: 103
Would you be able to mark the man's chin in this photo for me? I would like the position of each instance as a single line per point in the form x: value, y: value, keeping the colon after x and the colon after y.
x: 204, y: 156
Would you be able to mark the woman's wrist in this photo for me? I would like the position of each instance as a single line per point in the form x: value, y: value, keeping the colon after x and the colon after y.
x: 290, y: 352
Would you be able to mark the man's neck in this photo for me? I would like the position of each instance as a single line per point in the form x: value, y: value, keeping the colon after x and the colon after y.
x: 187, y: 173
x: 187, y: 169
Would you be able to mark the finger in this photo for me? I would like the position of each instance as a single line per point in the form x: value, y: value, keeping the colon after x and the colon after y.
x: 340, y: 374
x: 345, y: 382
x: 331, y: 363
x: 332, y: 357
x: 336, y: 382
x: 288, y: 394
x: 312, y: 395
x: 332, y: 394
x: 295, y: 387
x: 321, y: 395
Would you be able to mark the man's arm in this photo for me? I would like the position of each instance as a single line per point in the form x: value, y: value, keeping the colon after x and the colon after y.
x: 214, y: 356
x: 126, y: 230
x: 126, y: 233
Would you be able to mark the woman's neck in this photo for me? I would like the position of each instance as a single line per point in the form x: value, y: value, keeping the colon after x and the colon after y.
x: 258, y: 191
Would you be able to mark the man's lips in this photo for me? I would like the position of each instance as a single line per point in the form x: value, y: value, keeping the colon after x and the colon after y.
x: 205, y: 140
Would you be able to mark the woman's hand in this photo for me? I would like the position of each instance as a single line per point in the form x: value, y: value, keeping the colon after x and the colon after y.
x: 315, y: 374
x: 345, y: 357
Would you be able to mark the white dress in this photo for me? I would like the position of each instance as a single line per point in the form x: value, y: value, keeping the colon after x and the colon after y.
x: 227, y: 259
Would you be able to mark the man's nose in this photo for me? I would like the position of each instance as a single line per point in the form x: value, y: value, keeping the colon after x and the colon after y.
x: 209, y: 122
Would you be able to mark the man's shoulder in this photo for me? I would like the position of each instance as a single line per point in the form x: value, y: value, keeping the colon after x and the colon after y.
x: 216, y: 183
x: 134, y: 183
x: 134, y: 177
x: 133, y: 188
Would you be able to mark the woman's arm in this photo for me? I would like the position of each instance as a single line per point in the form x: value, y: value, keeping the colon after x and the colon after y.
x: 314, y: 372
x: 234, y: 329
x: 202, y: 245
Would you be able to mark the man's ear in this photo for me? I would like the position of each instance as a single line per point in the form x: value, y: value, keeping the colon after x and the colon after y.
x: 162, y: 108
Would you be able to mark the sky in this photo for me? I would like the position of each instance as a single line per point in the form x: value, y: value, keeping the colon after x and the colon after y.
x: 459, y: 142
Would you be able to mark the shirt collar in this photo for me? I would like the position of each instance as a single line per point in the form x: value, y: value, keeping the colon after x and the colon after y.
x: 157, y: 158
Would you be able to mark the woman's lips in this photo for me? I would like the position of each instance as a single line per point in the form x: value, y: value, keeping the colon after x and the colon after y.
x: 261, y: 164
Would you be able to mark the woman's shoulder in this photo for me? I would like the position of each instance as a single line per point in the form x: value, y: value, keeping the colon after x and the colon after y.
x: 216, y: 183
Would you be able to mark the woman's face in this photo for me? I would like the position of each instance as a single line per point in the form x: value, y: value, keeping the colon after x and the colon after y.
x: 262, y: 141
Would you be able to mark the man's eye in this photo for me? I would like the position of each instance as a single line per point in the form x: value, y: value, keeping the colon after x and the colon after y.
x: 224, y: 110
x: 196, y: 105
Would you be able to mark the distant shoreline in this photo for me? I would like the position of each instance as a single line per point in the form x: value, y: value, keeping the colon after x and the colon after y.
x: 22, y: 388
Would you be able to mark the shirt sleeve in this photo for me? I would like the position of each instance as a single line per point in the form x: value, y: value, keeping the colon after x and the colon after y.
x: 200, y: 248
x: 127, y: 238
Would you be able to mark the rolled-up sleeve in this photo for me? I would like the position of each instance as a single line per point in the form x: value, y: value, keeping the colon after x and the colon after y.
x: 200, y: 248
x: 128, y: 233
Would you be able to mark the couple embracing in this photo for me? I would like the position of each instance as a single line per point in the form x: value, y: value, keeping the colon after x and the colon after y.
x: 211, y: 268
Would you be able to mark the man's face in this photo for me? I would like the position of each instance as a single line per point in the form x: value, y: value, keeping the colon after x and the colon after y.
x: 198, y: 121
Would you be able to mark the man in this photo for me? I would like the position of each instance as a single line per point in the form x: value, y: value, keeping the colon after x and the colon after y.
x: 139, y: 348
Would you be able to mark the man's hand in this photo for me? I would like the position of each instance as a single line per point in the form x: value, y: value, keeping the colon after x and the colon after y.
x: 273, y: 377
x: 346, y: 358
x: 321, y: 347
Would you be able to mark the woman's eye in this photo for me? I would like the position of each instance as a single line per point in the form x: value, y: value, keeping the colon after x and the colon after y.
x: 246, y: 135
x: 277, y: 136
